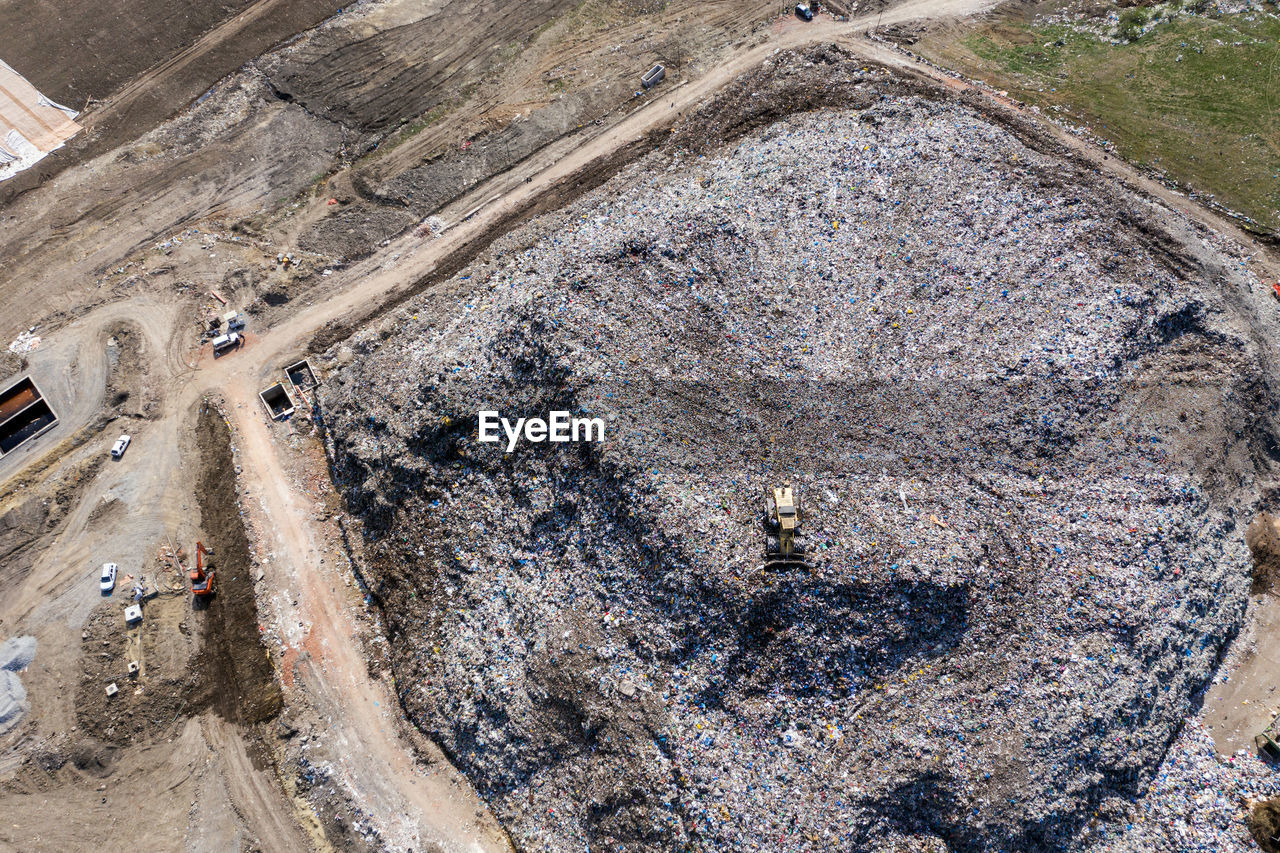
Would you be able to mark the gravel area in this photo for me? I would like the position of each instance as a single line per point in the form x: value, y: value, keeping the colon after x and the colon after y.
x: 1017, y: 406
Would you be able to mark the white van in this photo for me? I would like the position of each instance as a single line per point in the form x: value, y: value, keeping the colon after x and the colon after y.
x: 226, y: 342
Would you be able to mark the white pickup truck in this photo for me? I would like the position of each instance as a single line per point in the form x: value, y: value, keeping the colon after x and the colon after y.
x: 107, y: 580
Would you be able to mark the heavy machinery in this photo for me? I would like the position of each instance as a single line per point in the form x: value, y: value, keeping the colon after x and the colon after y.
x: 1266, y: 741
x: 202, y: 575
x: 782, y: 521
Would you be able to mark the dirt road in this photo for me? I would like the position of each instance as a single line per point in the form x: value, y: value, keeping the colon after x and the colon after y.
x: 419, y: 806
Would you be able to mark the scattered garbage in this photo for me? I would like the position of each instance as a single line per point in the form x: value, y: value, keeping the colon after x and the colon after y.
x: 26, y: 342
x: 1197, y: 802
x: 16, y: 654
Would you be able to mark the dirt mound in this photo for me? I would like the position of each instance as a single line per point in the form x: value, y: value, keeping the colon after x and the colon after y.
x: 106, y: 512
x: 142, y: 707
x: 1023, y: 532
x: 128, y: 390
x: 92, y: 758
x: 355, y: 231
x: 350, y: 80
x: 20, y: 528
x: 1264, y: 823
x: 86, y: 757
x: 236, y: 676
x: 1263, y: 540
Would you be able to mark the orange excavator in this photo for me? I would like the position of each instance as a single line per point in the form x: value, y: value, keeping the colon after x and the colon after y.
x: 201, y: 580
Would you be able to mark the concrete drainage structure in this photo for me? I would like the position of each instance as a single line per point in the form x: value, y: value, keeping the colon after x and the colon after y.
x: 277, y: 400
x: 24, y: 414
x: 301, y: 375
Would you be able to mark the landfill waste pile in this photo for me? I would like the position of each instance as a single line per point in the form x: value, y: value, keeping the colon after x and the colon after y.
x: 1194, y: 803
x: 1018, y: 407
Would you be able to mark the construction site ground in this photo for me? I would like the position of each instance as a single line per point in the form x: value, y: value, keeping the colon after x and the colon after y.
x: 110, y: 250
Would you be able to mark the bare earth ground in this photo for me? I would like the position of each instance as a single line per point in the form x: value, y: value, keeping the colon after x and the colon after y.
x: 341, y: 769
x: 139, y: 63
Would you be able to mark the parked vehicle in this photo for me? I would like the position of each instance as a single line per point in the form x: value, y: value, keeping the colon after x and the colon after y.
x: 121, y: 445
x: 222, y: 343
x: 107, y: 581
x: 803, y: 12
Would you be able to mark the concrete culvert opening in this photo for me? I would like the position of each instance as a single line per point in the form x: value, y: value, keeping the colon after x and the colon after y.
x: 24, y: 414
x: 17, y: 398
x: 277, y: 400
x: 30, y: 423
x: 300, y: 374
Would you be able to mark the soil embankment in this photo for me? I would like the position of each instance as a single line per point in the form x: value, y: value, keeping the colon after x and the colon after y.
x: 238, y: 680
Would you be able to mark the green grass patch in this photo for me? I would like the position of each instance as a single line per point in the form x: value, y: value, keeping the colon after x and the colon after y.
x: 1195, y: 98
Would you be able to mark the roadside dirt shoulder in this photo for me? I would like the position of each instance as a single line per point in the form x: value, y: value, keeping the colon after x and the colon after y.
x: 322, y: 642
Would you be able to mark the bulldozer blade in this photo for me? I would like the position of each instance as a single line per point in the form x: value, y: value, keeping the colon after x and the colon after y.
x: 779, y: 561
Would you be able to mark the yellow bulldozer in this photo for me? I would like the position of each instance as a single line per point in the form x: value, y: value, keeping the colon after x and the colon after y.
x: 782, y: 522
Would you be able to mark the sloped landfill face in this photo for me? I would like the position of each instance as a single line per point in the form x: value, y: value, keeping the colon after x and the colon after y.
x: 1019, y: 434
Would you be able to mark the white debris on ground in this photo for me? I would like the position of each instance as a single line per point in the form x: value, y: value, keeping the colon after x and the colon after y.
x: 25, y: 343
x: 16, y: 654
x: 1014, y: 408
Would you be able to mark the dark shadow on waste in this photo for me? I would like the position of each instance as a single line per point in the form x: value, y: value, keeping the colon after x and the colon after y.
x: 814, y: 638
